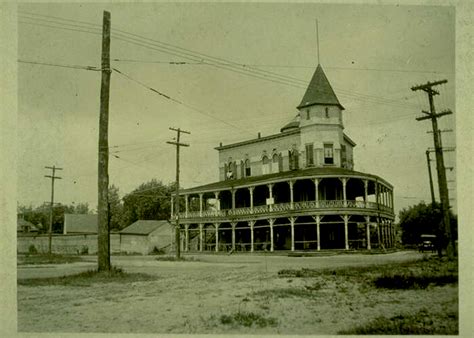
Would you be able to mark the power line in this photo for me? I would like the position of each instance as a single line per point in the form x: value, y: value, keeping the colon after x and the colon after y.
x: 235, y: 67
x: 178, y: 102
x: 93, y: 68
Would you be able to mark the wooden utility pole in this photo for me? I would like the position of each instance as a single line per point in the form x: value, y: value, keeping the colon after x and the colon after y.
x: 50, y: 231
x: 442, y: 183
x: 431, y: 178
x: 103, y: 238
x: 176, y: 199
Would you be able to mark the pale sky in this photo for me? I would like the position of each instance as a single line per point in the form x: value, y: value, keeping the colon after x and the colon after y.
x: 372, y: 56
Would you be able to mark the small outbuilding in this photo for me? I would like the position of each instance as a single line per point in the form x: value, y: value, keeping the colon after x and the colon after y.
x: 147, y: 236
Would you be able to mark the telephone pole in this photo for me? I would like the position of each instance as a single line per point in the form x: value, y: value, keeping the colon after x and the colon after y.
x: 50, y: 231
x: 103, y: 238
x: 176, y: 199
x: 431, y: 178
x: 442, y: 183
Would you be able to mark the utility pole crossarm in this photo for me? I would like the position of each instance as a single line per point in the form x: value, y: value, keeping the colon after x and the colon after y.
x: 179, y: 130
x: 178, y: 144
x: 427, y: 86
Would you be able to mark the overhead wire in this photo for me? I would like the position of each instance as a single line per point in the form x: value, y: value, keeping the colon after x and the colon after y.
x: 93, y: 68
x: 168, y: 48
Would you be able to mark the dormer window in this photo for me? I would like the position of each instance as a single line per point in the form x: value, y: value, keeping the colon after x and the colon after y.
x: 326, y: 110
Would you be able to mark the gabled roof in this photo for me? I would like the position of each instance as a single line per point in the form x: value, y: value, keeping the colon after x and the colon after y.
x: 80, y: 223
x: 319, y: 91
x: 145, y: 227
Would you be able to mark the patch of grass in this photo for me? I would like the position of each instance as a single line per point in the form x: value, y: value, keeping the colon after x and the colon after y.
x: 174, y: 259
x: 410, y: 281
x: 47, y: 259
x: 422, y: 322
x: 247, y: 319
x: 88, y: 278
x: 285, y: 293
x: 406, y: 275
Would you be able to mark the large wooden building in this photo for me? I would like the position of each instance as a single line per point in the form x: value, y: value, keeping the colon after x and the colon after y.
x: 294, y: 190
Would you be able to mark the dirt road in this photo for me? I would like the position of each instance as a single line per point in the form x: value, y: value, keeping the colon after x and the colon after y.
x: 190, y: 297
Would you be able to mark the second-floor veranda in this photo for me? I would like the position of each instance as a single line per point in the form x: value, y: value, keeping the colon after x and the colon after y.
x: 315, y: 189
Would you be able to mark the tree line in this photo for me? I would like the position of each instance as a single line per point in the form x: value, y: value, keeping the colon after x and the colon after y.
x: 149, y: 201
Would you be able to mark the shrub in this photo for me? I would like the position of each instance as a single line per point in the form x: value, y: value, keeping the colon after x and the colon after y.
x: 247, y: 319
x: 157, y: 251
x: 84, y: 250
x: 32, y: 249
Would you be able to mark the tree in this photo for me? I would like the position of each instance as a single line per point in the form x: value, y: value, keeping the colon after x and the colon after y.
x: 150, y: 201
x: 116, y: 208
x: 424, y: 219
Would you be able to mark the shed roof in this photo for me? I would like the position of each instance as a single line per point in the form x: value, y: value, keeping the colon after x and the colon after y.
x: 80, y: 223
x: 319, y: 91
x: 145, y: 227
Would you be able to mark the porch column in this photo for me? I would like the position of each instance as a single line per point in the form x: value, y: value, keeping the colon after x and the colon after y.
x: 217, y: 236
x: 290, y: 183
x: 367, y: 222
x: 346, y: 231
x: 344, y: 196
x: 377, y: 193
x: 316, y: 191
x: 366, y: 186
x: 201, y: 238
x: 271, y: 221
x: 270, y: 194
x: 172, y: 207
x: 251, y: 198
x: 186, y: 237
x: 292, y: 224
x: 233, y: 198
x: 233, y: 224
x: 186, y: 205
x: 251, y: 223
x: 318, y: 224
x: 218, y: 203
x: 200, y: 204
x: 378, y: 232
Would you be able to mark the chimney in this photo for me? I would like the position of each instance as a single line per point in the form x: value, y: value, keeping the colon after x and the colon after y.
x: 220, y: 144
x: 258, y: 135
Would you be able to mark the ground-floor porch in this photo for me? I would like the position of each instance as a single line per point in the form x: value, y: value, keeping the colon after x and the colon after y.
x: 295, y: 233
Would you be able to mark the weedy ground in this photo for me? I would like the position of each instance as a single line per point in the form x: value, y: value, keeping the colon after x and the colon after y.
x: 250, y: 295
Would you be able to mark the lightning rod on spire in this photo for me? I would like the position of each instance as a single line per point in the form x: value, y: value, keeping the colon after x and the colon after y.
x: 317, y: 38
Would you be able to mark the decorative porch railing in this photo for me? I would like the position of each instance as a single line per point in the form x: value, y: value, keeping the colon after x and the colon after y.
x: 282, y: 207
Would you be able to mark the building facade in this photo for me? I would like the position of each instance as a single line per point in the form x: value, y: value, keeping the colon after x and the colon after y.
x: 294, y: 190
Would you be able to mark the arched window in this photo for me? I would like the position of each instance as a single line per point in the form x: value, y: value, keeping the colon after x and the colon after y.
x: 265, y: 165
x: 275, y: 161
x: 230, y: 174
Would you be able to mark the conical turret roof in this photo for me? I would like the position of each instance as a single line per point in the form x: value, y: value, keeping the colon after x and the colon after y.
x: 319, y: 91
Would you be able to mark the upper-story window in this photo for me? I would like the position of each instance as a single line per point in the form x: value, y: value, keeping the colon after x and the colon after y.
x: 307, y: 114
x: 326, y: 111
x: 275, y: 163
x: 328, y: 153
x: 293, y: 156
x: 265, y: 165
x: 343, y: 156
x: 231, y: 171
x: 309, y: 155
x: 247, y: 168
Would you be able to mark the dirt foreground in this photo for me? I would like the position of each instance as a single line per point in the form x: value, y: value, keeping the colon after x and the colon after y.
x: 190, y: 297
